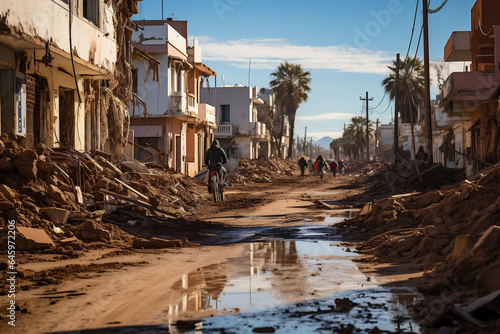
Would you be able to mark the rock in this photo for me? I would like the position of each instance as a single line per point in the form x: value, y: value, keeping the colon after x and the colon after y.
x: 2, y: 146
x: 487, y: 281
x: 155, y: 243
x: 72, y: 242
x: 6, y: 165
x: 57, y: 216
x: 488, y: 242
x: 7, y: 192
x: 55, y: 193
x: 32, y: 238
x: 463, y: 247
x: 26, y: 164
x: 90, y: 230
x: 44, y: 166
x: 367, y: 208
x: 426, y: 199
x: 6, y: 206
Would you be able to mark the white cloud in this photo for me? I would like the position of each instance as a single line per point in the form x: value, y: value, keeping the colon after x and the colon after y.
x: 327, y: 116
x: 268, y: 53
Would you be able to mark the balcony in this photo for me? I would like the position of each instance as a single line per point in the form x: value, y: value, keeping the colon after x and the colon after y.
x: 206, y: 113
x: 260, y: 130
x: 224, y: 130
x: 458, y: 47
x: 192, y: 105
x: 444, y: 121
x: 470, y: 86
x: 177, y: 104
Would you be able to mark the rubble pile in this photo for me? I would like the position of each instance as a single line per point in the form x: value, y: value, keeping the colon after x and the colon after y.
x: 383, y: 179
x: 453, y: 231
x: 263, y: 170
x: 61, y: 199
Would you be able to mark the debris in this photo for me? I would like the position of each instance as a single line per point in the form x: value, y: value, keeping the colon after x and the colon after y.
x: 137, y: 202
x: 57, y: 216
x: 155, y: 243
x: 32, y: 238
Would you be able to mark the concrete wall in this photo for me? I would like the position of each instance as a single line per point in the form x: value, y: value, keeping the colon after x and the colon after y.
x: 49, y: 20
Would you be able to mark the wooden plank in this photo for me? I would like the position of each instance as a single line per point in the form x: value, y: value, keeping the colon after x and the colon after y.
x: 137, y: 202
x: 154, y: 155
x: 109, y: 165
x: 132, y: 189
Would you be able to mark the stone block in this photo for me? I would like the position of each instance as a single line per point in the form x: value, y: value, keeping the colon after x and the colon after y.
x: 57, y: 216
x: 463, y: 247
x: 32, y: 238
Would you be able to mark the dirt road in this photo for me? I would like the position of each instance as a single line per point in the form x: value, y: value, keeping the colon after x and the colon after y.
x: 269, y: 260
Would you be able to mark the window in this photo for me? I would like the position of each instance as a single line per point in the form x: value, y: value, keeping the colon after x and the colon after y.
x: 224, y: 110
x: 134, y: 80
x: 91, y: 11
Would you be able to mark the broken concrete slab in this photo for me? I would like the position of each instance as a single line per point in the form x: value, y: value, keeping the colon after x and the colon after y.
x: 487, y: 281
x: 7, y: 192
x: 57, y: 216
x: 90, y: 230
x: 463, y: 247
x: 137, y: 166
x: 32, y: 238
x: 56, y: 194
x: 72, y: 242
x: 155, y: 243
x: 490, y: 239
x: 367, y: 208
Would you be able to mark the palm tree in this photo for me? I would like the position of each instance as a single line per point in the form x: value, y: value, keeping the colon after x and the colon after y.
x: 411, y: 86
x: 290, y: 85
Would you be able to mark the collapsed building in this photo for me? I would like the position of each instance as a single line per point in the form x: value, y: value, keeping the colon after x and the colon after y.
x: 65, y: 75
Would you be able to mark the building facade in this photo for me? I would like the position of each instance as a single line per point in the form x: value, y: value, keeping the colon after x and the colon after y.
x: 59, y: 64
x: 166, y: 113
x: 238, y: 128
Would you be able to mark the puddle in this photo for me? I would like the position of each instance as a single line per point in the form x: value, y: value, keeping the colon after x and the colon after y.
x: 287, y: 285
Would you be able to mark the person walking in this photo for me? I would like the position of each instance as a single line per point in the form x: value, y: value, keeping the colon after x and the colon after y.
x: 333, y: 167
x: 341, y: 166
x: 319, y: 164
x: 302, y: 164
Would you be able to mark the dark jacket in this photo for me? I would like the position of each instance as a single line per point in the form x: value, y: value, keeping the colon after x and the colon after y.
x: 215, y: 154
x: 333, y: 165
x: 302, y: 162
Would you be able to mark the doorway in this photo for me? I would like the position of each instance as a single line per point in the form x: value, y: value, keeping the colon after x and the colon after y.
x: 66, y: 117
x: 178, y: 154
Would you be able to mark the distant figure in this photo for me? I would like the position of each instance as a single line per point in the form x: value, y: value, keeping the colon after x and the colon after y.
x: 341, y: 166
x: 310, y: 166
x: 319, y: 164
x: 302, y: 164
x: 333, y: 167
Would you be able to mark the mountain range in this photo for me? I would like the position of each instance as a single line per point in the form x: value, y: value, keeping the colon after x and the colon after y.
x: 324, y: 142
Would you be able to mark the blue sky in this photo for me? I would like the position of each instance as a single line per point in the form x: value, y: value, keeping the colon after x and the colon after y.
x: 346, y: 45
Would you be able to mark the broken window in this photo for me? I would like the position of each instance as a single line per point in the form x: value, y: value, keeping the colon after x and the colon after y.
x: 91, y: 11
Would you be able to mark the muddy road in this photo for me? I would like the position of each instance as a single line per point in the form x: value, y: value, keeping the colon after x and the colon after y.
x: 268, y: 260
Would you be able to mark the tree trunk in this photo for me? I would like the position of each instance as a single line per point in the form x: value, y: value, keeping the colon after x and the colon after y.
x: 412, y: 130
x: 291, y: 120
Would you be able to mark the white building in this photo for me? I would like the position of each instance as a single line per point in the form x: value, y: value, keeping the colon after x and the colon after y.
x: 167, y: 113
x: 238, y: 129
x: 57, y: 60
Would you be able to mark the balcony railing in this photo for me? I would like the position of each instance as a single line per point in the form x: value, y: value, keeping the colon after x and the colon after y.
x: 191, y: 103
x: 224, y: 130
x: 206, y: 113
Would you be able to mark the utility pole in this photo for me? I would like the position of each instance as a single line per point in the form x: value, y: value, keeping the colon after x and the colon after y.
x: 367, y: 126
x: 396, y: 107
x: 427, y: 96
x: 305, y: 142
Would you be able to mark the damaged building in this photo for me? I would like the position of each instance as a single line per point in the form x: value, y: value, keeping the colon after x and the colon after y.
x: 65, y: 76
x: 166, y: 115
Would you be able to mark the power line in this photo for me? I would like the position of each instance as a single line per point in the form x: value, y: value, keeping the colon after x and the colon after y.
x: 412, y: 29
x: 380, y: 101
x: 433, y: 11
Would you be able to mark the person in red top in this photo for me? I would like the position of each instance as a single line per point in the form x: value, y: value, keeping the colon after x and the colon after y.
x: 319, y: 164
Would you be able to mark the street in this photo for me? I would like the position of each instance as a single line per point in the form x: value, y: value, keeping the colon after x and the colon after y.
x: 277, y: 265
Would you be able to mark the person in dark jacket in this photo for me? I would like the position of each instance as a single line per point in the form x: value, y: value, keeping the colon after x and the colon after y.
x: 302, y: 165
x: 214, y: 155
x: 333, y: 167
